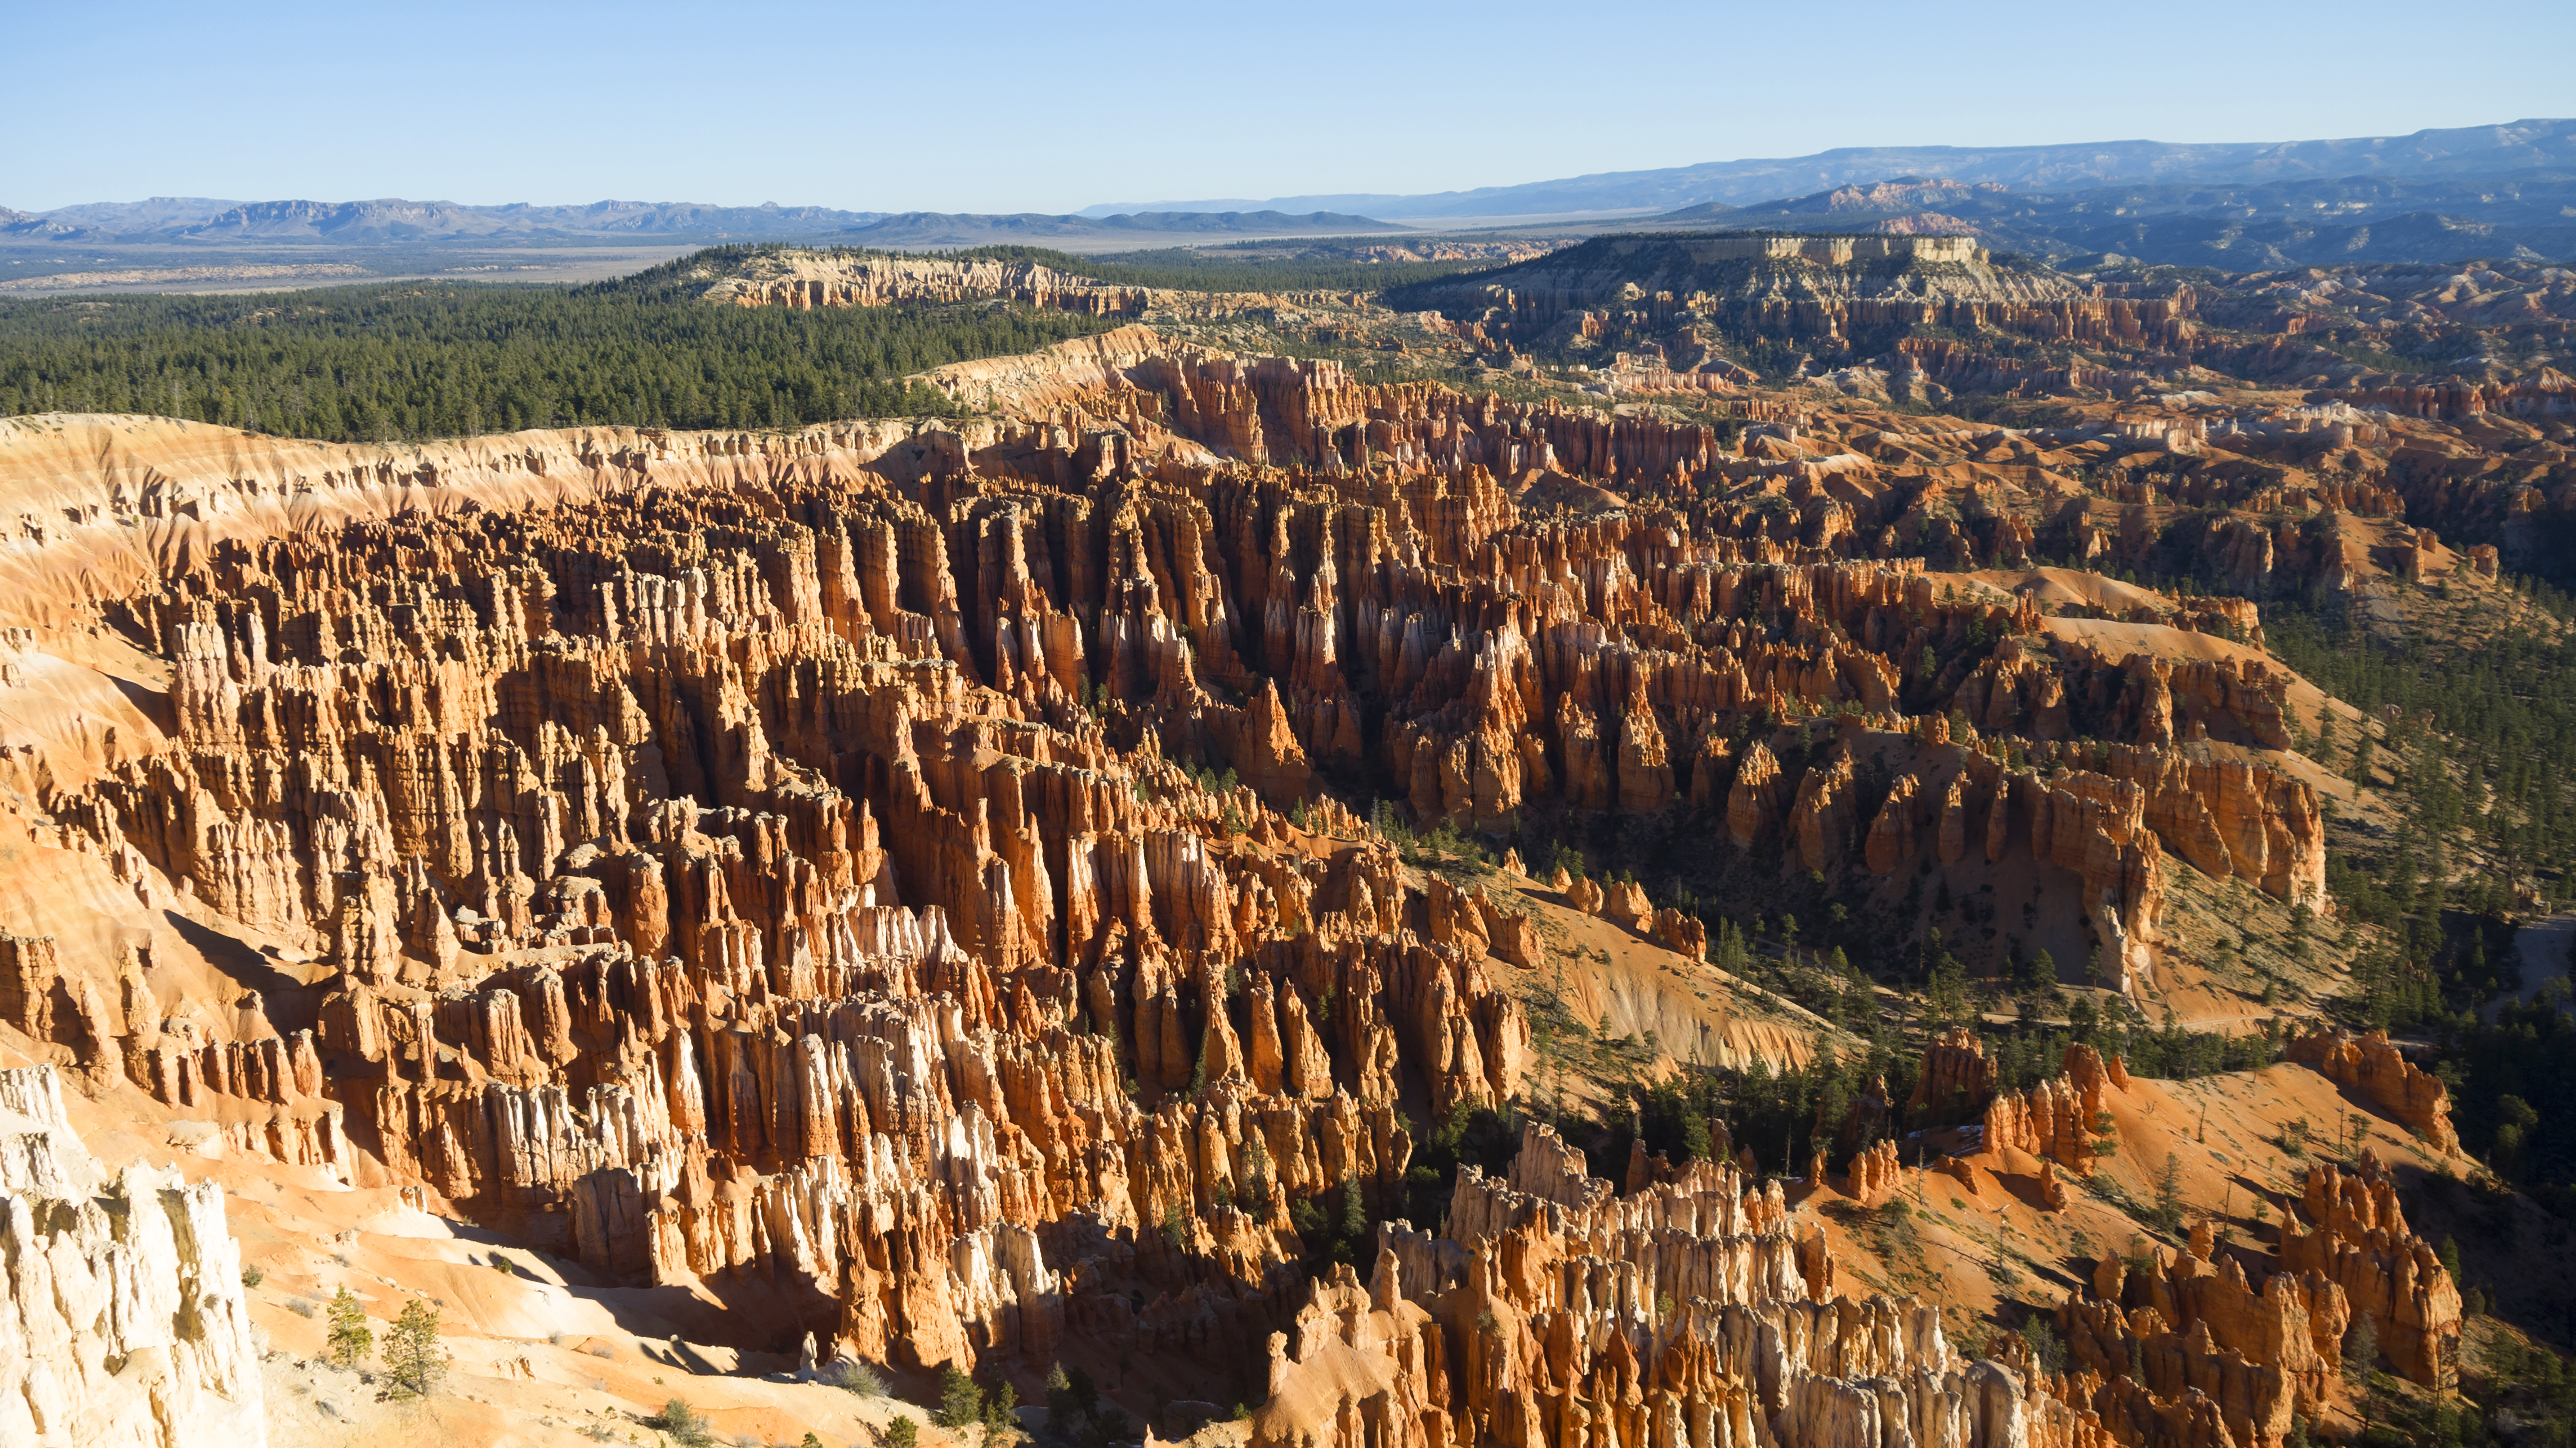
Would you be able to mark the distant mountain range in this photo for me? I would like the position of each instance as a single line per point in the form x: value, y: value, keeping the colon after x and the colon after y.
x: 2519, y: 146
x: 171, y: 219
x: 942, y: 228
x: 2435, y: 195
x: 358, y: 223
x: 2258, y: 227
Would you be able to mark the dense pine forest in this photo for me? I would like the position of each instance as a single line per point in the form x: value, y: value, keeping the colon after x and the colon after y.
x: 2477, y: 761
x: 415, y: 360
x: 445, y: 359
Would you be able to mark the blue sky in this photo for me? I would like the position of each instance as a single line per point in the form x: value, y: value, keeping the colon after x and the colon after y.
x: 1008, y: 107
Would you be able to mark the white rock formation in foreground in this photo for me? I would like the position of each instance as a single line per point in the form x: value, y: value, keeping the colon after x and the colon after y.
x: 123, y: 1320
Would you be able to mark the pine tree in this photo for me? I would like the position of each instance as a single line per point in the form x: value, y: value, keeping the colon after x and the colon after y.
x: 1256, y: 1176
x: 960, y: 1401
x: 685, y: 1424
x: 1001, y: 1413
x: 2360, y: 1349
x: 413, y: 1358
x: 351, y: 1338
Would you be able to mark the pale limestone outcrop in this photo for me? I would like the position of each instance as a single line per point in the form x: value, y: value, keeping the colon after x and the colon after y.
x: 124, y: 1319
x: 803, y: 280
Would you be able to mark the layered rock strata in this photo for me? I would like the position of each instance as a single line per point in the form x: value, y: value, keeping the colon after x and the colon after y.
x: 2061, y: 1118
x: 1956, y: 1076
x: 2354, y: 1235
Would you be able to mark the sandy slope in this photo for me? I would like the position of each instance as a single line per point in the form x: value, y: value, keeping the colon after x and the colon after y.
x: 1992, y: 1256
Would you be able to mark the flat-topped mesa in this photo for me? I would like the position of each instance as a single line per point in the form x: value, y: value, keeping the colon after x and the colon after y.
x: 2372, y: 1065
x: 1833, y: 249
x: 807, y: 279
x: 1811, y: 286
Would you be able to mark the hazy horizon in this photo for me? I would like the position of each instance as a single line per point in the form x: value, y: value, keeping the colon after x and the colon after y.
x: 882, y: 109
